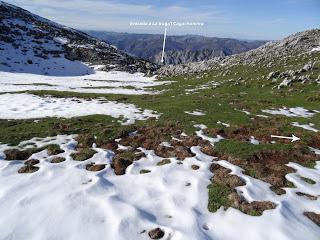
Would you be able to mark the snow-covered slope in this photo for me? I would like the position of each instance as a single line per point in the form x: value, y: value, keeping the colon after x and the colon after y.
x: 64, y: 201
x: 32, y: 44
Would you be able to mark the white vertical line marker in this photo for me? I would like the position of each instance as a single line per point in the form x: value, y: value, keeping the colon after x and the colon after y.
x: 164, y: 44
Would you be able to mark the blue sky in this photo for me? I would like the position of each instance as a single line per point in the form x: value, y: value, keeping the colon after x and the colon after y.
x: 244, y: 19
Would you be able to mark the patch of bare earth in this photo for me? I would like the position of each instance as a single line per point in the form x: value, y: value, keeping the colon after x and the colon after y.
x: 95, y: 167
x: 156, y: 233
x: 262, y: 129
x: 58, y: 160
x: 311, y: 197
x: 150, y: 138
x: 16, y: 154
x: 223, y: 177
x: 29, y: 166
x: 314, y: 217
x: 267, y: 165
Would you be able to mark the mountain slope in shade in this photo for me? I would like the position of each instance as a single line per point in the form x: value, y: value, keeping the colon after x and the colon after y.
x: 179, y: 49
x: 32, y: 44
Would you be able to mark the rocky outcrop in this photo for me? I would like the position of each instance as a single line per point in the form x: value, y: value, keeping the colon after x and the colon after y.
x: 156, y: 233
x: 186, y: 56
x: 299, y: 43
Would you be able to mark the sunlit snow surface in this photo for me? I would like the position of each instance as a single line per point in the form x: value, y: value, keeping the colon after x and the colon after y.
x: 64, y: 201
x: 316, y: 49
x: 291, y: 112
x: 27, y: 106
x: 309, y: 126
x: 195, y: 113
x: 99, y: 82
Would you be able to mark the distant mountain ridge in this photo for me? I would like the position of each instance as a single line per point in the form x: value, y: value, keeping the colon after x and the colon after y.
x: 179, y: 49
x: 32, y: 44
x: 296, y: 44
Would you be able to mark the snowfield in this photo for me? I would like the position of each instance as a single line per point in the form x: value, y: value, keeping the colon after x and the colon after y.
x: 29, y: 56
x: 291, y: 112
x: 316, y: 49
x: 113, y: 82
x: 309, y: 126
x: 64, y: 201
x: 195, y: 113
x: 27, y: 106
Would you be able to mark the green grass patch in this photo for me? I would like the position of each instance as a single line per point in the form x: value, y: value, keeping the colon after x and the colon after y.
x: 53, y: 149
x: 83, y: 154
x: 289, y: 184
x: 103, y: 127
x: 164, y: 162
x: 218, y: 196
x: 309, y: 164
x: 131, y: 156
x: 308, y: 180
x: 35, y: 84
x: 243, y: 150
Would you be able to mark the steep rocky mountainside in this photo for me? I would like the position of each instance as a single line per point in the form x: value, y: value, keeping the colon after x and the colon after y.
x: 268, y: 54
x: 179, y: 49
x: 185, y: 56
x: 32, y: 44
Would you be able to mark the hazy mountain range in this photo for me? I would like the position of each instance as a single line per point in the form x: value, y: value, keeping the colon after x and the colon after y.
x: 179, y: 49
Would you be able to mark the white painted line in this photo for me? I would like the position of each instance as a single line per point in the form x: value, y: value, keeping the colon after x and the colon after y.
x: 164, y: 44
x: 293, y: 138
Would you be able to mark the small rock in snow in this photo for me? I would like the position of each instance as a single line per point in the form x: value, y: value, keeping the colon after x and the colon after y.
x: 156, y: 233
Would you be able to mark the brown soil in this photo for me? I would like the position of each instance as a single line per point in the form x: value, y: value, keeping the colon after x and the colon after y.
x: 53, y: 150
x: 58, y: 160
x: 208, y: 149
x: 84, y: 140
x: 120, y: 165
x: 245, y: 132
x: 315, y: 141
x: 255, y: 208
x: 164, y: 162
x: 270, y: 166
x: 156, y: 233
x: 261, y: 129
x: 150, y: 138
x: 16, y: 154
x: 314, y: 217
x: 124, y: 159
x: 278, y: 190
x: 83, y: 154
x: 28, y: 169
x: 109, y: 144
x: 222, y: 176
x: 95, y: 167
x: 31, y: 162
x: 195, y: 167
x: 311, y: 197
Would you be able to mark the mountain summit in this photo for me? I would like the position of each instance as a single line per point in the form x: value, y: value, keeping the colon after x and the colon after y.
x: 32, y: 44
